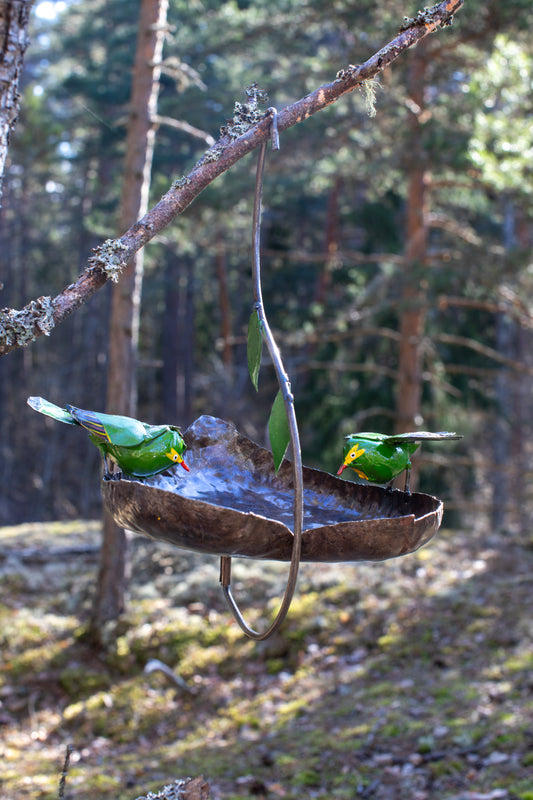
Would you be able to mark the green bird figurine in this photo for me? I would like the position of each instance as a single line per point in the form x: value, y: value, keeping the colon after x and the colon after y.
x: 379, y: 458
x: 138, y: 449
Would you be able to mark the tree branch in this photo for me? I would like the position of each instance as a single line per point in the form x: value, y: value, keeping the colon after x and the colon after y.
x: 179, y: 125
x: 483, y: 350
x: 244, y: 133
x: 511, y: 305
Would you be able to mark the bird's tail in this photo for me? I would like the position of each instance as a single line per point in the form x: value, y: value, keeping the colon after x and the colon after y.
x: 51, y: 410
x: 421, y: 436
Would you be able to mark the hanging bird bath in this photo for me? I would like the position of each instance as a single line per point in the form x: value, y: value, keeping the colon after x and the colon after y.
x: 231, y: 503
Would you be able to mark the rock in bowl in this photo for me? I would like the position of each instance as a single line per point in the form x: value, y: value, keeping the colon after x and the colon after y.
x: 231, y: 503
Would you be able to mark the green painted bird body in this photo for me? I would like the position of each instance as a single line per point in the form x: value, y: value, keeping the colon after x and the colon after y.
x: 379, y: 458
x: 139, y: 449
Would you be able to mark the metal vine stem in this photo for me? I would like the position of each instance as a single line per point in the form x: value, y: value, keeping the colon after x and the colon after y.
x: 285, y: 386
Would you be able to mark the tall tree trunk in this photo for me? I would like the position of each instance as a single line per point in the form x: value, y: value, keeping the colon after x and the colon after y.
x: 126, y: 296
x: 512, y: 425
x: 331, y: 261
x: 409, y: 388
x: 171, y: 345
x: 221, y: 270
x: 178, y: 340
x: 500, y: 440
x: 14, y: 18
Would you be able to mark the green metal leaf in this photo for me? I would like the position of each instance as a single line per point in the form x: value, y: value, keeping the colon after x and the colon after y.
x: 278, y: 430
x: 254, y: 348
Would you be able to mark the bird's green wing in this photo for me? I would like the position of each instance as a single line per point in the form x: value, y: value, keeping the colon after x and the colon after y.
x: 421, y: 436
x: 90, y: 421
x: 50, y: 409
x: 369, y: 436
x: 119, y: 430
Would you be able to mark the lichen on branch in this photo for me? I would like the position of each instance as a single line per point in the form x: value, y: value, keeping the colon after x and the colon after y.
x: 109, y: 257
x: 245, y: 115
x: 18, y: 328
x: 427, y: 16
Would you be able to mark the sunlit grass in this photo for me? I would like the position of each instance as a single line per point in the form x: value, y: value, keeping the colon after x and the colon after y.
x: 392, y: 663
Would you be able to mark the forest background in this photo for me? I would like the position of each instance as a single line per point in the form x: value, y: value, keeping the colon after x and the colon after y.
x: 341, y: 282
x: 408, y: 679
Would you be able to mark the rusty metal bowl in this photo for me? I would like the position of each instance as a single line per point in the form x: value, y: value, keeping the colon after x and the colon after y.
x: 232, y: 504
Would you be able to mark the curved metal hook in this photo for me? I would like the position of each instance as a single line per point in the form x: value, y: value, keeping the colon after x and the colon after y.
x: 285, y: 386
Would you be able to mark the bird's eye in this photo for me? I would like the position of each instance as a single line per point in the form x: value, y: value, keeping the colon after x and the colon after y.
x: 355, y: 453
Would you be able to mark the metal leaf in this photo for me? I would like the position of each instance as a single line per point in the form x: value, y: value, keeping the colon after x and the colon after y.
x: 278, y: 430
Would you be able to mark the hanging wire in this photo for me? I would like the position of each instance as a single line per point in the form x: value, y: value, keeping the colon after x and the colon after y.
x: 288, y: 399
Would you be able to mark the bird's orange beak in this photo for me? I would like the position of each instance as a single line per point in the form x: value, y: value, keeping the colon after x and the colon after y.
x: 184, y: 465
x: 342, y: 466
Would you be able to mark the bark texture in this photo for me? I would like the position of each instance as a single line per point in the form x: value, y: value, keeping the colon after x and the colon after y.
x: 409, y: 391
x: 14, y: 18
x: 126, y: 297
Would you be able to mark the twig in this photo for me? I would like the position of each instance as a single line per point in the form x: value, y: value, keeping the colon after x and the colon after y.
x: 63, y: 779
x: 512, y: 306
x: 235, y: 142
x: 185, y: 127
x: 155, y: 665
x: 488, y: 352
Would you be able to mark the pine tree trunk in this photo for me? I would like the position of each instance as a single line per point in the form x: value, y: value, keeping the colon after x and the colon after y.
x: 14, y: 18
x: 126, y: 296
x: 171, y: 345
x: 331, y: 242
x: 512, y: 392
x: 413, y: 311
x: 178, y: 341
x: 221, y: 271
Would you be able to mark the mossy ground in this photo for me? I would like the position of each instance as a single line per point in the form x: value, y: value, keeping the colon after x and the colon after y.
x: 405, y: 680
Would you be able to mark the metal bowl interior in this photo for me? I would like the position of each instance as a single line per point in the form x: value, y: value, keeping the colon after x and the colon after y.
x: 232, y: 503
